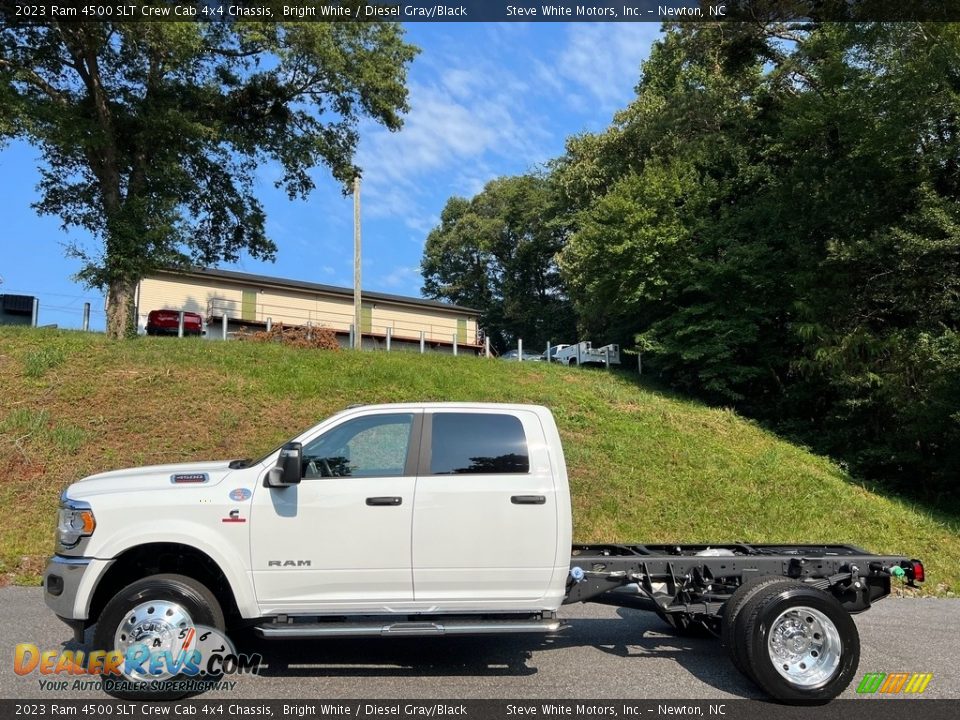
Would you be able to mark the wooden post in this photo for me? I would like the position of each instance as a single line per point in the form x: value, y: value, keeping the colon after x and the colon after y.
x: 357, y: 322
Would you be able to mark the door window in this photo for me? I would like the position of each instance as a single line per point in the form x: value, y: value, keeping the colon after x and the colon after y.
x: 478, y: 443
x: 372, y: 446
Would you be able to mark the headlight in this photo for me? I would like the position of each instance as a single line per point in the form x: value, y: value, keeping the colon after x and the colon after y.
x: 75, y: 520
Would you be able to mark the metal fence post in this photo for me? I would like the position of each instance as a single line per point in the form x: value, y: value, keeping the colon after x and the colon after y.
x: 606, y: 358
x: 640, y: 363
x: 86, y: 317
x: 547, y: 356
x: 519, y: 349
x: 223, y: 324
x: 486, y: 345
x: 269, y: 324
x: 180, y: 324
x: 389, y: 337
x: 35, y: 313
x: 423, y: 345
x: 454, y: 344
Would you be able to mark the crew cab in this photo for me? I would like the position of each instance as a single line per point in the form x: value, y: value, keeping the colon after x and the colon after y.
x: 431, y: 519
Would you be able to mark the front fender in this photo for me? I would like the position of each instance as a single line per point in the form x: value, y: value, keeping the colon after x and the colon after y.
x: 229, y: 549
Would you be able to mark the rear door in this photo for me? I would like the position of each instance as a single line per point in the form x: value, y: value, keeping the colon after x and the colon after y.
x: 485, y: 512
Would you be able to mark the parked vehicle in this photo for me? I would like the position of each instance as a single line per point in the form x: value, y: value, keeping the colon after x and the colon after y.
x: 584, y: 353
x: 167, y: 322
x: 431, y: 519
x: 515, y: 355
x: 554, y: 349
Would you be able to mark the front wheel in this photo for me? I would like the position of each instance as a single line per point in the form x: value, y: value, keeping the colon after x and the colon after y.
x: 802, y: 646
x: 158, y: 615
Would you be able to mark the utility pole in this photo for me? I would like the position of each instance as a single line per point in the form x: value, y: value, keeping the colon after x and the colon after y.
x: 357, y: 334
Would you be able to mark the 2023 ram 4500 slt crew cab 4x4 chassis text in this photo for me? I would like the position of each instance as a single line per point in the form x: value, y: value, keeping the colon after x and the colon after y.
x: 431, y: 519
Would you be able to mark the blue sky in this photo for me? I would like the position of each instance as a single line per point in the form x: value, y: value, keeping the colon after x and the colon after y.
x: 487, y: 99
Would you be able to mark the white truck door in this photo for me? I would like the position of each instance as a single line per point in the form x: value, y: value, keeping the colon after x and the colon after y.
x: 341, y: 538
x: 485, y: 516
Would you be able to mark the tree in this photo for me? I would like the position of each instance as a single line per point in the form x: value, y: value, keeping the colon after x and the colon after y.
x: 151, y: 133
x: 496, y: 253
x: 776, y: 220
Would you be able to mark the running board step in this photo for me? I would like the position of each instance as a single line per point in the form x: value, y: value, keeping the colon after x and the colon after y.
x: 406, y: 629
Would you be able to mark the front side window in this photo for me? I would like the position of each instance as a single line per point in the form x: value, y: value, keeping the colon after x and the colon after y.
x: 478, y: 443
x: 372, y: 446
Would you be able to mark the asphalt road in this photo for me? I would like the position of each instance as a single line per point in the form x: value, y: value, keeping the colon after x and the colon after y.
x: 605, y: 652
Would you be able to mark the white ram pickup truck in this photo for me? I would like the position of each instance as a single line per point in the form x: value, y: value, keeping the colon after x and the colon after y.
x: 430, y: 519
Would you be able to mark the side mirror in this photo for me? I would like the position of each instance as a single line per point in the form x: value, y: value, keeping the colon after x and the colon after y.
x: 288, y: 469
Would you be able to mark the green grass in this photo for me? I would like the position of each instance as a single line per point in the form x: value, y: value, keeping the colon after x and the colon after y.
x: 645, y: 466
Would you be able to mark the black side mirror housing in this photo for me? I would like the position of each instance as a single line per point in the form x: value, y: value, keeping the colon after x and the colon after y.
x: 289, y: 468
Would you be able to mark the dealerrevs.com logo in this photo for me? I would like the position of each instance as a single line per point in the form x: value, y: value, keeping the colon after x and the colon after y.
x: 894, y: 683
x: 195, y: 659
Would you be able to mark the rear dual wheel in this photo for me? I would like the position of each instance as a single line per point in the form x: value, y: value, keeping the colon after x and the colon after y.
x: 794, y: 641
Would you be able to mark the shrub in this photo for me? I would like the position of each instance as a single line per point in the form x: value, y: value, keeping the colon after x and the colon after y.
x: 315, y: 338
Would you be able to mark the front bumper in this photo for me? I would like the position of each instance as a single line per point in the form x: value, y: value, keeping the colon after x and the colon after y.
x: 68, y: 585
x: 61, y: 584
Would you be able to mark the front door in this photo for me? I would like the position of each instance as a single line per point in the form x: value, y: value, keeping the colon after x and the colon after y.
x: 341, y: 538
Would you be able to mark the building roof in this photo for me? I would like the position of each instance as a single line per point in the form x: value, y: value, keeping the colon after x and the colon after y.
x: 266, y: 280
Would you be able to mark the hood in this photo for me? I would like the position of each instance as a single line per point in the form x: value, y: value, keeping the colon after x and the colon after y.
x: 151, y: 477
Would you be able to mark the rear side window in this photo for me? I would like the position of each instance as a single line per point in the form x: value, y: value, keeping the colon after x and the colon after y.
x: 478, y: 443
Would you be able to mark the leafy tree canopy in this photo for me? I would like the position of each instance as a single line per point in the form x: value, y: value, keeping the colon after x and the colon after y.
x: 777, y: 216
x: 496, y: 253
x: 150, y: 133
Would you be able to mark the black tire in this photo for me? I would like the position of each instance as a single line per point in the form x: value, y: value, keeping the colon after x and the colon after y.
x: 732, y: 610
x: 828, y: 640
x: 200, y: 606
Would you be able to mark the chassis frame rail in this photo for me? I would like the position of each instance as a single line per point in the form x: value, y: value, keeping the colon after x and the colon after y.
x: 681, y: 579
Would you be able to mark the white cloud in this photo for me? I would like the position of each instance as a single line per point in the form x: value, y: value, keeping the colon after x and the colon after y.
x: 603, y: 59
x: 422, y: 224
x: 467, y: 111
x: 403, y: 277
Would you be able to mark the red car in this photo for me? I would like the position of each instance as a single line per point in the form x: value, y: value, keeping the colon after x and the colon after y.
x: 167, y: 322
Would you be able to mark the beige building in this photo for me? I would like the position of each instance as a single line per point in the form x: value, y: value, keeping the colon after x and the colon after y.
x: 253, y: 301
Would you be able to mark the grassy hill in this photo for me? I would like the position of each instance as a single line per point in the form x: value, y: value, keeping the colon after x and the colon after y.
x: 644, y: 466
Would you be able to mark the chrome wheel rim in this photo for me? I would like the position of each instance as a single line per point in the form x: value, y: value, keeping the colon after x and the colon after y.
x: 159, y: 625
x: 805, y: 647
